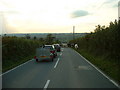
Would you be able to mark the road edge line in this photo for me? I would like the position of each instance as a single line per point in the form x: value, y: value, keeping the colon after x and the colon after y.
x: 15, y: 67
x: 99, y: 70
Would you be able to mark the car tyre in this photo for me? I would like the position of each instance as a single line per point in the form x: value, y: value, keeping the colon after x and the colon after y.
x: 36, y: 60
x: 52, y: 59
x: 54, y: 56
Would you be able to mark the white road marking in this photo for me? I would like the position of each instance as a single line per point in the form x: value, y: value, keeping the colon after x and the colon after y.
x: 46, y: 85
x: 56, y: 63
x: 60, y: 54
x: 62, y: 49
x: 16, y: 67
x: 99, y: 70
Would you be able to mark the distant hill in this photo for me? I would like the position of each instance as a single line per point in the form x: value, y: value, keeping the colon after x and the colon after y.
x: 63, y: 37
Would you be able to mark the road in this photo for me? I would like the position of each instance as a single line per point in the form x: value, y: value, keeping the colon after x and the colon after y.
x: 69, y: 70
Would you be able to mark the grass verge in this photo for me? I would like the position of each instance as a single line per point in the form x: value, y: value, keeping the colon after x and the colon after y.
x: 11, y: 64
x: 109, y: 67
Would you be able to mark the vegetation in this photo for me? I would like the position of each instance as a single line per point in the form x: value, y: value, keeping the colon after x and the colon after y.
x: 50, y: 39
x: 17, y: 50
x: 101, y: 47
x: 63, y: 37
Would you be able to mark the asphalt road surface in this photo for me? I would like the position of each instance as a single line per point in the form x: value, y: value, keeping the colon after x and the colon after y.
x: 69, y: 70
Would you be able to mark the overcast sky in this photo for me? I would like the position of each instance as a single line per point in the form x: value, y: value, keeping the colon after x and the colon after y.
x: 55, y: 16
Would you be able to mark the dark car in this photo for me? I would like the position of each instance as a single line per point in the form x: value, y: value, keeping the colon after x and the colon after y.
x: 57, y: 47
x: 51, y: 48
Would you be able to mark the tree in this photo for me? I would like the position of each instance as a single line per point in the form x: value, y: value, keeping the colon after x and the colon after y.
x: 98, y: 28
x: 49, y: 39
x: 57, y: 41
x: 41, y: 39
x: 5, y: 34
x: 27, y: 36
x: 35, y: 38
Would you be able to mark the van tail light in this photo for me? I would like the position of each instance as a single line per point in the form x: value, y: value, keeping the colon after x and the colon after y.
x: 35, y: 57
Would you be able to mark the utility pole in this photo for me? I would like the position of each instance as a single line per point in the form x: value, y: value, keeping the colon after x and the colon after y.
x: 73, y: 32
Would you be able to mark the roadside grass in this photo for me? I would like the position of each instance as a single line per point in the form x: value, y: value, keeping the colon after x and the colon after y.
x: 108, y: 66
x: 11, y: 63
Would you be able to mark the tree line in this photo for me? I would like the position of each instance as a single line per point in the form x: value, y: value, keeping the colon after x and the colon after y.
x: 103, y: 41
x: 15, y: 49
x: 102, y: 48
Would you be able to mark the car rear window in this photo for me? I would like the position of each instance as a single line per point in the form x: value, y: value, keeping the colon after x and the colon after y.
x: 48, y: 47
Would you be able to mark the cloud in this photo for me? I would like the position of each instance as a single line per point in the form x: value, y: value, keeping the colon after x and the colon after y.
x: 116, y: 5
x: 79, y: 13
x: 109, y: 1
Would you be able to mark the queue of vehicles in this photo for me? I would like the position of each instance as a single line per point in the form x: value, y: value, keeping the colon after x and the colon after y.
x: 47, y: 52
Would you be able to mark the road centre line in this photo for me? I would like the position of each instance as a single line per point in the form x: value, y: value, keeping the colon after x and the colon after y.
x: 46, y: 85
x: 62, y: 49
x: 16, y: 67
x: 60, y: 54
x: 99, y: 70
x: 56, y: 63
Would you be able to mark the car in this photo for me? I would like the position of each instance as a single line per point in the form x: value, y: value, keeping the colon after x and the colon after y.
x: 43, y: 54
x: 57, y: 47
x: 52, y: 49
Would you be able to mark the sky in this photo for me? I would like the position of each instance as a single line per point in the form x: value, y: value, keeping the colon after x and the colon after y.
x: 55, y: 16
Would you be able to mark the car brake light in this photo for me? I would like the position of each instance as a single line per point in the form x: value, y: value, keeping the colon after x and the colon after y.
x: 51, y: 51
x: 35, y: 57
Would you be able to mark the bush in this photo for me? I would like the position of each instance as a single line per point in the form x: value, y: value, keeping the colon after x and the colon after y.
x: 15, y: 49
x: 104, y: 40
